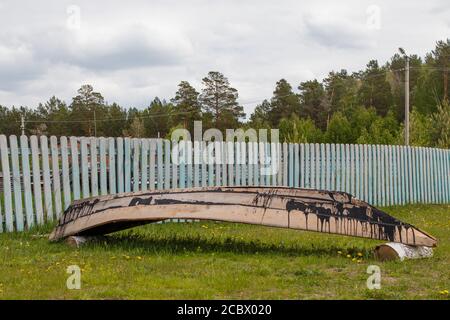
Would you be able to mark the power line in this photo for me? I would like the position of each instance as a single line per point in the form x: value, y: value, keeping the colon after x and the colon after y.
x: 109, y: 119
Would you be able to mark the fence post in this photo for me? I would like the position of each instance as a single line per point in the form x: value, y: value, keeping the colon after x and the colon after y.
x: 36, y: 180
x: 296, y: 166
x: 189, y: 177
x: 103, y: 172
x: 112, y: 166
x: 84, y: 168
x: 175, y: 165
x: 18, y: 209
x: 94, y: 166
x: 56, y: 175
x: 7, y: 195
x: 75, y: 168
x: 65, y: 172
x: 196, y: 164
x: 48, y: 201
x: 166, y: 164
x: 323, y: 168
x: 144, y: 164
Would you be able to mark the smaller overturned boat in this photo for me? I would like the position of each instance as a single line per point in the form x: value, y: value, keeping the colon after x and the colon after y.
x: 285, y: 207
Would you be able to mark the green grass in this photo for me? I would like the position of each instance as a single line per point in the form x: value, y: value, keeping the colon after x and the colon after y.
x: 223, y: 260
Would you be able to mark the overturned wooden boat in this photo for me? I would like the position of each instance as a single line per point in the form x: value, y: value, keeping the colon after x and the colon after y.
x: 293, y: 208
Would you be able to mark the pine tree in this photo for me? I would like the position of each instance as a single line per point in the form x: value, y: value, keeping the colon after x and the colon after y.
x: 375, y: 91
x: 285, y: 102
x: 314, y: 103
x: 187, y: 107
x: 220, y: 100
x: 86, y: 106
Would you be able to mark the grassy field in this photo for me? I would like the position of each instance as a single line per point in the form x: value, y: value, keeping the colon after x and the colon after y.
x: 222, y: 260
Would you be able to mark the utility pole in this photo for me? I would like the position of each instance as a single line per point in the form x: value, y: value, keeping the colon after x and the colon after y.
x: 407, y: 102
x: 95, y: 125
x: 402, y: 51
x: 22, y: 124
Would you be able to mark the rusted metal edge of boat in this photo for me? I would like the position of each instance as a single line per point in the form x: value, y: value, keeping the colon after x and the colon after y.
x: 285, y: 207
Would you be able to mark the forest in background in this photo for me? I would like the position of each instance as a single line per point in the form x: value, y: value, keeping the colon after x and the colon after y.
x: 360, y: 107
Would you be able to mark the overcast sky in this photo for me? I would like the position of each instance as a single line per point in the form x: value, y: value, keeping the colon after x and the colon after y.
x: 132, y: 51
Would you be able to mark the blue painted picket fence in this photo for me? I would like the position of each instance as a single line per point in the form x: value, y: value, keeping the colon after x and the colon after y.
x: 40, y: 176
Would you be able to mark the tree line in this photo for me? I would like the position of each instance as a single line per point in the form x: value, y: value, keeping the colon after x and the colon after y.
x: 360, y: 107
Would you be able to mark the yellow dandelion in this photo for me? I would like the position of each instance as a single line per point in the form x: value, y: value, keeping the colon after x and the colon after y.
x: 354, y: 259
x: 349, y: 256
x: 139, y: 257
x: 444, y: 292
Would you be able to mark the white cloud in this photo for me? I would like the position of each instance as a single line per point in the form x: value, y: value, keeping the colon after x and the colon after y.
x: 132, y: 52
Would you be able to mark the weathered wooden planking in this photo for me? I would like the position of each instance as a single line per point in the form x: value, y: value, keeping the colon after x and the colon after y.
x: 296, y: 182
x: 189, y: 172
x: 94, y: 165
x: 56, y: 178
x: 48, y: 199
x: 159, y: 165
x: 75, y: 167
x: 26, y: 175
x: 167, y: 151
x: 303, y: 209
x: 302, y: 165
x: 84, y: 167
x: 65, y: 172
x: 127, y: 164
x: 136, y: 174
x: 103, y: 166
x: 152, y: 164
x: 144, y: 163
x: 37, y: 192
x: 7, y: 198
x: 175, y: 183
x: 18, y: 207
x: 120, y: 166
x: 112, y: 166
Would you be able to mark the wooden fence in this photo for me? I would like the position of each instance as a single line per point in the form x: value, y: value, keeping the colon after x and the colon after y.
x: 40, y: 176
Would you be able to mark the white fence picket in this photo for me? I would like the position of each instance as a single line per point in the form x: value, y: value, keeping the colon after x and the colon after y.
x: 56, y: 178
x: 26, y: 173
x: 84, y: 167
x: 136, y: 174
x: 75, y: 167
x: 7, y: 195
x: 94, y: 166
x: 103, y: 167
x: 18, y: 208
x: 37, y: 193
x: 112, y: 166
x: 48, y: 199
x: 65, y: 171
